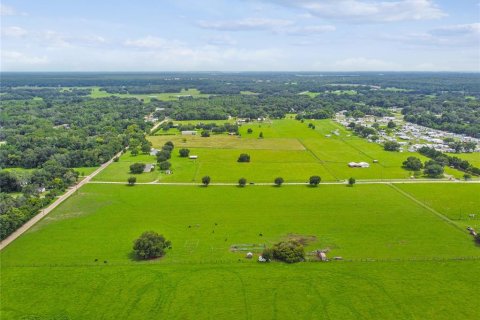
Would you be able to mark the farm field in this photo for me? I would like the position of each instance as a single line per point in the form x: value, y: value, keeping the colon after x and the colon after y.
x: 289, y: 149
x: 50, y: 272
x: 169, y: 96
x: 457, y: 202
x: 473, y: 158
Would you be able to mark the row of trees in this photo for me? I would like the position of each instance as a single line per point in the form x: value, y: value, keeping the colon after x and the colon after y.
x: 451, y: 161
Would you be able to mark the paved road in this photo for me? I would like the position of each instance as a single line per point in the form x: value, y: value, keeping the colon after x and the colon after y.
x: 52, y: 206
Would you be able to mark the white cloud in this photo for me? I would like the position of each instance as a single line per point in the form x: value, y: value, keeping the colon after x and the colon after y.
x: 309, y: 30
x: 150, y: 42
x: 368, y: 10
x: 447, y: 36
x: 7, y: 10
x: 245, y: 24
x: 21, y: 59
x: 13, y: 32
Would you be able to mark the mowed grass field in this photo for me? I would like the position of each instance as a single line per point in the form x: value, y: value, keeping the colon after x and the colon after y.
x: 399, y: 257
x: 289, y: 149
x: 457, y: 202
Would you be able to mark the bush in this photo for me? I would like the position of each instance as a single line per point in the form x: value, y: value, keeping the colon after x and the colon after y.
x: 165, y: 165
x: 115, y: 159
x: 433, y: 169
x: 314, y: 180
x: 351, y: 181
x: 242, y: 182
x: 413, y: 163
x: 288, y: 251
x: 391, y: 146
x: 169, y: 143
x: 137, y: 168
x: 244, y: 158
x: 206, y: 181
x: 205, y: 134
x: 163, y: 155
x: 184, y: 153
x: 267, y: 254
x: 278, y: 181
x: 150, y: 245
x: 249, y: 130
x: 131, y: 181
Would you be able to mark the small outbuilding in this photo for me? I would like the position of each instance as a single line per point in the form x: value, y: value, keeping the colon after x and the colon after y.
x: 189, y: 133
x: 249, y: 255
x: 149, y: 167
x: 193, y: 157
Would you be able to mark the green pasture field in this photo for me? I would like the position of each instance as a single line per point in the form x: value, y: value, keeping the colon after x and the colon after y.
x: 97, y: 93
x: 328, y: 154
x: 85, y: 171
x: 457, y: 202
x: 473, y: 158
x: 51, y: 272
x: 310, y: 93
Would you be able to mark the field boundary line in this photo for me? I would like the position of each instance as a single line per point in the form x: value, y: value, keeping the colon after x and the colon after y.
x: 45, y: 211
x: 319, y: 160
x: 425, y: 206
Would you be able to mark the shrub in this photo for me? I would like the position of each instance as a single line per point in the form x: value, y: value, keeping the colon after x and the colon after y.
x: 165, y: 165
x: 205, y: 133
x: 267, y: 254
x: 163, y: 155
x: 288, y: 251
x: 278, y: 181
x: 137, y: 168
x: 242, y: 182
x: 413, y: 163
x: 206, y: 181
x: 244, y: 158
x: 249, y: 130
x: 115, y: 159
x: 169, y: 143
x: 131, y: 181
x: 391, y: 146
x: 184, y: 153
x: 433, y: 169
x: 351, y: 181
x: 314, y: 180
x: 150, y: 245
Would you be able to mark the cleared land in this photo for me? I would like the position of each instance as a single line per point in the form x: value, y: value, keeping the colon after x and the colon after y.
x: 289, y: 149
x: 51, y: 272
x: 169, y: 96
x: 457, y: 202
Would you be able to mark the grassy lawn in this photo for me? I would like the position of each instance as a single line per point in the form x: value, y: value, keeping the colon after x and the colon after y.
x: 473, y: 158
x: 456, y: 202
x: 325, y: 151
x: 50, y: 272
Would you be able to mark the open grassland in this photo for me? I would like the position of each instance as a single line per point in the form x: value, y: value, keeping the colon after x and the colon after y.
x: 289, y: 149
x: 50, y: 272
x: 169, y: 96
x: 473, y: 158
x: 457, y: 202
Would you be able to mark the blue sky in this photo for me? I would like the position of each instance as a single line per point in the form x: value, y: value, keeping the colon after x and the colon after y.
x: 240, y: 35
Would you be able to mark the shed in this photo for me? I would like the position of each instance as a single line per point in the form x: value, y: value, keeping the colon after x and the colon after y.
x: 189, y: 133
x: 249, y: 255
x: 149, y: 167
x: 193, y: 157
